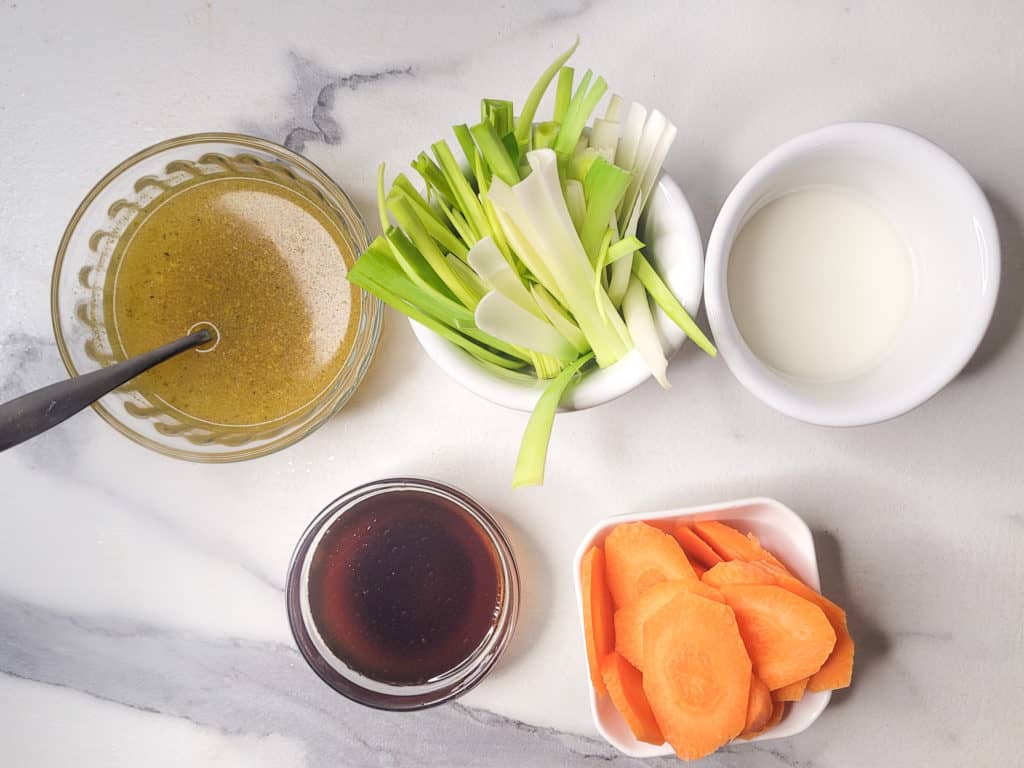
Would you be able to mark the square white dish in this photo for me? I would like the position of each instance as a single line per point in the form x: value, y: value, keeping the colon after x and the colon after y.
x: 782, y: 532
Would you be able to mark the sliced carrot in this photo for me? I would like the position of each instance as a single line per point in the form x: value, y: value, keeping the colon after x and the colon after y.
x: 629, y: 621
x: 778, y: 710
x: 626, y: 687
x: 759, y: 705
x: 788, y: 638
x: 696, y: 674
x: 737, y: 572
x: 837, y: 670
x: 698, y: 569
x: 730, y: 544
x: 638, y: 557
x: 791, y: 692
x: 696, y: 549
x: 598, y: 628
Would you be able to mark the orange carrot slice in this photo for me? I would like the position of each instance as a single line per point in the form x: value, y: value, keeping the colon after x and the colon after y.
x: 698, y: 569
x: 696, y: 674
x: 837, y: 670
x: 625, y: 686
x: 696, y: 549
x: 778, y: 710
x: 638, y: 557
x: 598, y: 626
x: 737, y: 572
x: 629, y: 621
x: 791, y: 692
x: 759, y: 706
x: 788, y: 638
x: 730, y: 544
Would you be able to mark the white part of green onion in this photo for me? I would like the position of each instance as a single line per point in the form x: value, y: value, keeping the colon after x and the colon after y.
x: 506, y: 320
x: 640, y: 322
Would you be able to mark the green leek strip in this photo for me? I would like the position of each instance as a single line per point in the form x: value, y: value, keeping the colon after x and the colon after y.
x: 413, y: 264
x: 576, y: 201
x: 581, y: 162
x: 559, y: 318
x: 533, y: 450
x: 465, y: 140
x: 469, y: 278
x: 525, y: 251
x: 417, y: 233
x: 460, y: 225
x: 563, y: 93
x: 669, y: 304
x: 465, y: 198
x: 523, y: 355
x: 544, y: 135
x: 578, y: 114
x: 432, y: 176
x: 602, y: 260
x: 603, y: 187
x: 499, y: 113
x: 494, y: 153
x: 614, y: 107
x: 377, y: 264
x: 436, y: 228
x: 637, y: 312
x: 545, y: 366
x: 524, y: 122
x: 382, y: 209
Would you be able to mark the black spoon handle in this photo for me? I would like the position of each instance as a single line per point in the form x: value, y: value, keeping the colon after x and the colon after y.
x: 34, y: 413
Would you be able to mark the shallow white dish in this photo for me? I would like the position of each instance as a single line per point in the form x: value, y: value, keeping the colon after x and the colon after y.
x: 954, y: 248
x: 780, y: 530
x: 675, y: 249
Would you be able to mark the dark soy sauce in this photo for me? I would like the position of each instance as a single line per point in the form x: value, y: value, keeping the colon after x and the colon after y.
x: 404, y: 586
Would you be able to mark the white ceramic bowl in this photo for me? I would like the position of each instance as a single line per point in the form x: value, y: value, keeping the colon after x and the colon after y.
x: 780, y: 530
x: 944, y: 218
x: 675, y: 249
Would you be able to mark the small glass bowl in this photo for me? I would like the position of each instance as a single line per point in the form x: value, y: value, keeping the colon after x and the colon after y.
x: 85, y: 254
x: 388, y: 696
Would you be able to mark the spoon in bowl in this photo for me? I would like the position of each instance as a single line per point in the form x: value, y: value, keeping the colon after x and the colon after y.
x: 34, y: 413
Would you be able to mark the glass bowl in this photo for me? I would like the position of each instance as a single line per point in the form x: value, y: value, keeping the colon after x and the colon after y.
x: 84, y: 258
x: 391, y: 696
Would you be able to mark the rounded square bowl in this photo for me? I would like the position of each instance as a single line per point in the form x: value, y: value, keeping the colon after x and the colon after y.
x: 780, y: 530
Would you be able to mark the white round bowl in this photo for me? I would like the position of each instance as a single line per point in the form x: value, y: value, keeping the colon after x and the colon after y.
x: 674, y: 248
x: 948, y: 225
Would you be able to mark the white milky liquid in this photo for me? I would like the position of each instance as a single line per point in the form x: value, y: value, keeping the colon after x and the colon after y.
x: 819, y: 284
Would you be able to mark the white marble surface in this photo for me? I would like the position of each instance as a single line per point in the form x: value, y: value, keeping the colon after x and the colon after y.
x: 141, y: 606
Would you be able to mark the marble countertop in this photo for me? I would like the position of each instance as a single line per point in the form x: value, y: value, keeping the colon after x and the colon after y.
x: 141, y: 606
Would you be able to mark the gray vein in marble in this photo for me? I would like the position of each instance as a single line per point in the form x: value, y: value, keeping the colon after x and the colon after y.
x: 238, y: 686
x: 315, y: 94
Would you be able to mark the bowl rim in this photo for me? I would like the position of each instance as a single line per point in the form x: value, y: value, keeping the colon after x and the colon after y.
x: 762, y: 381
x: 373, y: 308
x: 630, y: 371
x: 808, y: 571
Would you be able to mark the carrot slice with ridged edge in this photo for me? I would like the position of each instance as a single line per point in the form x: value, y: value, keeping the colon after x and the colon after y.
x: 778, y: 710
x: 626, y: 687
x: 696, y: 549
x: 629, y: 621
x: 598, y: 622
x: 759, y: 705
x: 737, y: 572
x: 696, y: 674
x: 639, y: 556
x: 730, y: 544
x: 837, y: 671
x: 788, y: 638
x: 791, y: 692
